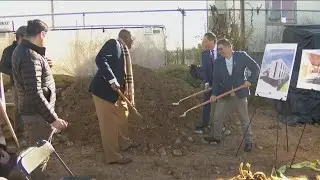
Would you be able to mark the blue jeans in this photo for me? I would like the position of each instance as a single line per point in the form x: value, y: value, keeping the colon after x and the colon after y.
x: 206, y: 110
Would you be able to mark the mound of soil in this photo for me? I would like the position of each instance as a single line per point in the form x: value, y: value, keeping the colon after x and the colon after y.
x: 154, y: 95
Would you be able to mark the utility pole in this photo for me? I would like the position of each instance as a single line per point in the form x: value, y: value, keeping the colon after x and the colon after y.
x: 207, y: 8
x: 52, y: 14
x: 242, y: 20
x: 183, y: 13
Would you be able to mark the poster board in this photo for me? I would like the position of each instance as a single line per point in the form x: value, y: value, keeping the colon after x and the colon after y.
x: 276, y: 70
x: 309, y: 73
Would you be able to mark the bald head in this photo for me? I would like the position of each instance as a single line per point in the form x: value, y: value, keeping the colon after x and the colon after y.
x: 126, y: 36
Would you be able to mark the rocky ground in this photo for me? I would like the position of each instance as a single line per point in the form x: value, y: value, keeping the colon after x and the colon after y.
x: 170, y: 149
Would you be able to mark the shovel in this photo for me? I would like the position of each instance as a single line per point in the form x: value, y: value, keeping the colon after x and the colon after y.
x: 209, y: 101
x: 127, y: 100
x: 134, y: 109
x: 6, y: 118
x: 195, y: 94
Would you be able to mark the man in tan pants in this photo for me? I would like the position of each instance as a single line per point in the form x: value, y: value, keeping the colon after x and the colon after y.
x: 114, y: 73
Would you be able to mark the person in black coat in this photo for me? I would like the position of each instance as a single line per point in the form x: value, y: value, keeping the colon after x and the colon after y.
x: 208, y: 56
x: 112, y: 111
x: 6, y: 68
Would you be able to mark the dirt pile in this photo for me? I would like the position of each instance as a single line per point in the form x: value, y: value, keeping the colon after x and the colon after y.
x: 154, y: 95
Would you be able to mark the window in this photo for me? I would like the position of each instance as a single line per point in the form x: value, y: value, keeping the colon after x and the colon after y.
x: 276, y: 11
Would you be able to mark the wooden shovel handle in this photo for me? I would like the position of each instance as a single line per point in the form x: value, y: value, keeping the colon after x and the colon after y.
x: 127, y: 100
x: 195, y: 94
x: 6, y: 118
x: 217, y: 97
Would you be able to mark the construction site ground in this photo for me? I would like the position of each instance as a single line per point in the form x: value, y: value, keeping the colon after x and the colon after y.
x: 169, y: 148
x: 201, y: 160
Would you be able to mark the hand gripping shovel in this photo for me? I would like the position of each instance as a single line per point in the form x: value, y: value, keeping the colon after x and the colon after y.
x: 209, y: 101
x: 134, y: 109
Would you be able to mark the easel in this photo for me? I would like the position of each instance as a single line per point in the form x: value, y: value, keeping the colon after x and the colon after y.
x: 277, y: 139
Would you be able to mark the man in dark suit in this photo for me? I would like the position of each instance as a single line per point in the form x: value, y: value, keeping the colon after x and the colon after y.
x: 112, y: 111
x: 229, y: 73
x: 208, y: 56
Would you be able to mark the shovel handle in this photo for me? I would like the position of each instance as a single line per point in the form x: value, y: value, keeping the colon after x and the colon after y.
x: 6, y: 118
x: 195, y: 94
x: 217, y: 97
x: 127, y: 100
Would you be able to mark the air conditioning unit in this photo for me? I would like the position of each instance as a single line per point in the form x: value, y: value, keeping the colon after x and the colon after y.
x: 156, y: 30
x: 148, y: 30
x: 6, y: 26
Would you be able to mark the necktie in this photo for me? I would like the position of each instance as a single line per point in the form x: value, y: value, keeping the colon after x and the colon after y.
x: 211, y: 56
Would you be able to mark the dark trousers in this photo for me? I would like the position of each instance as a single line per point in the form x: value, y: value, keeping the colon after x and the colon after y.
x: 35, y: 129
x: 18, y: 119
x: 206, y: 110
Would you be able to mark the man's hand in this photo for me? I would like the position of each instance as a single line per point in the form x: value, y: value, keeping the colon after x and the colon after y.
x: 247, y: 84
x: 206, y: 86
x: 115, y: 86
x: 213, y: 98
x: 59, y: 124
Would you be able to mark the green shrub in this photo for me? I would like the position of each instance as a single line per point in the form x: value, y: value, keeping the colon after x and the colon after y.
x: 180, y: 72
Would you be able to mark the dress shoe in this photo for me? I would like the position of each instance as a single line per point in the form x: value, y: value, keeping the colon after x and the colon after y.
x: 212, y: 139
x: 122, y: 161
x: 248, y: 147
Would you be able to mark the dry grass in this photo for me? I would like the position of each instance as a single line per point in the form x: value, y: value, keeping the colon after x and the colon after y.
x: 147, y: 51
x: 80, y: 61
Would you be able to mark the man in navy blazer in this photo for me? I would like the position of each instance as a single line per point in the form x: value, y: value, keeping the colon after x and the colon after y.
x: 112, y: 111
x: 208, y: 57
x: 229, y: 73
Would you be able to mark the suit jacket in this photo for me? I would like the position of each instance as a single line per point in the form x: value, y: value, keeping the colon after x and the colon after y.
x: 110, y: 63
x: 207, y: 66
x: 223, y: 82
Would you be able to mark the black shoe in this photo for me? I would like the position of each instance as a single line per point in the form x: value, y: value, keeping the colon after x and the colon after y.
x: 248, y: 147
x: 212, y: 139
x: 198, y: 131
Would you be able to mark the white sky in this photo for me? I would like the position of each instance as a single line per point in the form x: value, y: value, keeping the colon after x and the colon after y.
x: 195, y: 22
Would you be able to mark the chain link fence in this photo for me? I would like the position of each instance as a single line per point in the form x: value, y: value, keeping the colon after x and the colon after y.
x: 179, y: 41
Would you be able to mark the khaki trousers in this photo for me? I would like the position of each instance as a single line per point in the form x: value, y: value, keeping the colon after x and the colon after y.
x: 229, y: 104
x: 113, y: 122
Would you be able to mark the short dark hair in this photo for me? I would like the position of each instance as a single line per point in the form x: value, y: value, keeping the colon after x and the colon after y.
x: 35, y: 27
x: 124, y: 33
x: 224, y: 42
x: 210, y: 36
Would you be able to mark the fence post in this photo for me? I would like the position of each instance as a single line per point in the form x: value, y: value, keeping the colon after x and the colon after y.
x: 242, y: 24
x: 183, y: 13
x: 83, y: 19
x: 52, y: 14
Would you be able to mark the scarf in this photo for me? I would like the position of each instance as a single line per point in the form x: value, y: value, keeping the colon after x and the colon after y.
x: 129, y: 84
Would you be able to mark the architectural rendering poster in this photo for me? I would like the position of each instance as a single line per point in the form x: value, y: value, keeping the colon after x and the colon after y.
x: 276, y: 70
x: 309, y: 74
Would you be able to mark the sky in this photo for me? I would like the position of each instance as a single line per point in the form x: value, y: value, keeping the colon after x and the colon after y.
x: 195, y: 22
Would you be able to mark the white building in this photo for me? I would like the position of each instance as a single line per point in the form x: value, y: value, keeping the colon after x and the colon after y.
x: 267, y: 24
x: 278, y: 70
